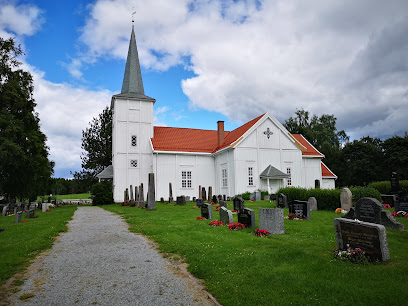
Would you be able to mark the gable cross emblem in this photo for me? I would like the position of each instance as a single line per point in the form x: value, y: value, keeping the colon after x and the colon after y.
x: 268, y: 133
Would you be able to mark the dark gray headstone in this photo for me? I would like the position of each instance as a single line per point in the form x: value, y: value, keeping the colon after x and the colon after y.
x: 171, y: 200
x: 170, y: 191
x: 272, y: 220
x: 370, y: 237
x: 199, y: 202
x: 30, y: 213
x: 194, y: 199
x: 215, y: 199
x: 389, y: 199
x: 151, y: 197
x: 395, y: 187
x: 312, y: 203
x: 223, y: 204
x: 402, y: 204
x: 239, y: 203
x: 224, y: 197
x: 300, y: 208
x: 206, y: 211
x: 282, y: 201
x: 131, y: 193
x: 246, y: 216
x: 137, y: 198
x: 219, y: 198
x: 162, y: 200
x: 181, y: 200
x: 368, y: 210
x: 200, y: 195
x: 141, y: 196
x: 226, y: 216
x: 19, y: 216
x: 203, y: 194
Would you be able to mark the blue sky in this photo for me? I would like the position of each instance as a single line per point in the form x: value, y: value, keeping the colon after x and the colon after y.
x: 210, y: 60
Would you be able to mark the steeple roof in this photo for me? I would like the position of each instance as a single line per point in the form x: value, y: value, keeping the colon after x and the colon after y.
x: 132, y: 86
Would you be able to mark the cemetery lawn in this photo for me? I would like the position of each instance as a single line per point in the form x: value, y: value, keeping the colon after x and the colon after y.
x: 21, y: 242
x: 80, y: 196
x: 239, y: 268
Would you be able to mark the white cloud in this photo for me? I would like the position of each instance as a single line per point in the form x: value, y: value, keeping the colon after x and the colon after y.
x: 19, y: 20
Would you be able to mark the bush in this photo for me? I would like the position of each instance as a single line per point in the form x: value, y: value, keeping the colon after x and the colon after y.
x: 327, y: 199
x: 102, y: 193
x: 246, y: 195
x: 384, y: 187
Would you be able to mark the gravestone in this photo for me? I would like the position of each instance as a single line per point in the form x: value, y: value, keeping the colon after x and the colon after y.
x: 228, y: 198
x: 238, y: 203
x: 127, y: 195
x: 219, y: 198
x: 199, y: 202
x: 224, y: 197
x: 215, y: 199
x: 312, y: 203
x: 141, y: 196
x: 200, y: 195
x: 45, y: 207
x: 137, y: 198
x: 4, y: 213
x: 402, y: 204
x: 210, y: 194
x: 181, y: 200
x: 187, y: 198
x: 30, y: 213
x: 171, y: 200
x: 223, y: 204
x: 252, y: 197
x: 257, y: 195
x: 282, y: 201
x: 203, y: 194
x: 395, y: 187
x: 389, y: 199
x: 162, y: 200
x: 206, y: 211
x: 272, y: 220
x: 371, y: 210
x: 226, y: 216
x: 246, y: 216
x: 369, y: 237
x: 151, y: 197
x: 19, y: 216
x: 346, y: 199
x: 267, y: 198
x: 131, y: 194
x: 300, y: 208
x: 194, y: 199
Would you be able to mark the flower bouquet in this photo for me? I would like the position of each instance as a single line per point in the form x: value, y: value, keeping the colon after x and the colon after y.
x: 261, y: 233
x: 236, y: 226
x: 216, y: 223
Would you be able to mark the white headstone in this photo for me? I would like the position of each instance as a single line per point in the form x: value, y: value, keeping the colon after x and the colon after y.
x: 346, y: 199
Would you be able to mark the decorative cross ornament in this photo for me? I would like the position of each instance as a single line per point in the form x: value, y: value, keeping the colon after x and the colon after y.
x: 268, y: 133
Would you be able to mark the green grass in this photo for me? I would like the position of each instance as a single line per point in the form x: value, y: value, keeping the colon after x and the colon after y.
x: 239, y: 268
x: 67, y: 196
x: 23, y: 241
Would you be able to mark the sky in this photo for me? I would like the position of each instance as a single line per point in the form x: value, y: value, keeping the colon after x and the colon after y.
x: 210, y: 60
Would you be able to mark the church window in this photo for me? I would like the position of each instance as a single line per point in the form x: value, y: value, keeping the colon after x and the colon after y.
x: 134, y: 140
x: 224, y: 178
x: 133, y: 163
x: 186, y: 179
x: 289, y: 172
x: 250, y: 176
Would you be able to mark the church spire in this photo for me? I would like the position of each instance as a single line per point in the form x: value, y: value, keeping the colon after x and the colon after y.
x: 132, y: 80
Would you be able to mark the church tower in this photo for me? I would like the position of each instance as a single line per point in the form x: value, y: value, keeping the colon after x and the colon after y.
x: 132, y: 129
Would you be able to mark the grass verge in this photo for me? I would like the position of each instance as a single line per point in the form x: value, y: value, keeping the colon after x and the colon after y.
x: 20, y: 242
x: 239, y: 268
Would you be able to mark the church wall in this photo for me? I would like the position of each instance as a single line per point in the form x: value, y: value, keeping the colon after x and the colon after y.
x: 224, y: 160
x: 328, y: 183
x: 169, y: 168
x: 312, y: 171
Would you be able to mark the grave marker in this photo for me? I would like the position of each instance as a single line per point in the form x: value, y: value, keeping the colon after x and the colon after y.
x: 226, y: 216
x: 210, y: 194
x: 402, y: 204
x: 300, y: 208
x: 203, y: 194
x: 199, y: 202
x: 171, y: 200
x: 151, y: 196
x: 19, y: 216
x: 181, y: 200
x: 223, y: 204
x: 369, y: 237
x: 312, y: 203
x: 246, y: 216
x: 272, y: 220
x: 395, y: 187
x: 238, y: 203
x: 206, y: 211
x: 282, y: 201
x: 257, y: 195
x: 346, y: 199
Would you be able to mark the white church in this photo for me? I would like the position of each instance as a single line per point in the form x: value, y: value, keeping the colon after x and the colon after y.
x: 259, y: 155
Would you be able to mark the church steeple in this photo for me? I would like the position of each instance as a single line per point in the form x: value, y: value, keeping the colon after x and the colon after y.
x: 132, y: 80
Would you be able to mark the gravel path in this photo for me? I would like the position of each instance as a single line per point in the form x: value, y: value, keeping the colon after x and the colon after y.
x: 99, y: 262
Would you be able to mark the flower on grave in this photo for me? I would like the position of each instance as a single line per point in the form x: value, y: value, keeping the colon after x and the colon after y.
x: 387, y: 206
x: 25, y: 221
x: 292, y: 216
x: 200, y: 218
x: 195, y: 207
x: 236, y: 226
x: 338, y: 210
x: 48, y: 210
x: 356, y: 255
x: 233, y: 211
x: 261, y: 233
x: 216, y: 223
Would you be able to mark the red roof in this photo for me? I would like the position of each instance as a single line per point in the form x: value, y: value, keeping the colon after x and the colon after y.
x: 195, y: 140
x: 326, y: 172
x: 310, y: 149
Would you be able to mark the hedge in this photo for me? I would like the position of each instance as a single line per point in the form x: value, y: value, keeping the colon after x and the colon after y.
x: 328, y: 199
x: 384, y: 187
x: 102, y: 193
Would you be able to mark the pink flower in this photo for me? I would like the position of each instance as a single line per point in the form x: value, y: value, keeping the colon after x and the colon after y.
x: 387, y: 206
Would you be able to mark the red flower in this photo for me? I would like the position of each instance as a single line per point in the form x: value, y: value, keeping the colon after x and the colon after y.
x: 387, y: 206
x: 200, y: 218
x: 25, y: 221
x: 394, y: 214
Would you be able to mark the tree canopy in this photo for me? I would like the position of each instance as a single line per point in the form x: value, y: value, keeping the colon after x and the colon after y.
x: 24, y: 166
